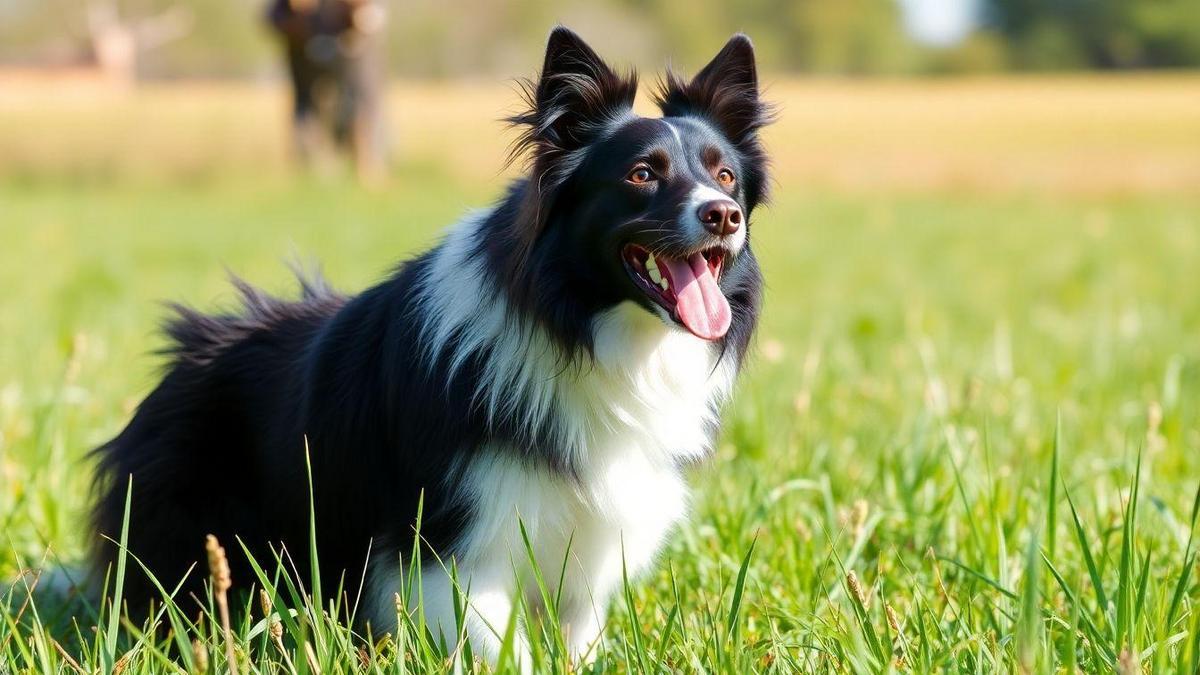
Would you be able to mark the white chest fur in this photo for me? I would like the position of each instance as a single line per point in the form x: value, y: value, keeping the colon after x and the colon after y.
x: 617, y: 519
x: 642, y: 406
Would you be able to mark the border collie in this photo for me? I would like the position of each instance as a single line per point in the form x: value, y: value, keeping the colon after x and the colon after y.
x: 554, y: 362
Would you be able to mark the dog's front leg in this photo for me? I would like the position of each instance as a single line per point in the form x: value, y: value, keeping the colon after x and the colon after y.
x: 582, y: 625
x: 490, y: 613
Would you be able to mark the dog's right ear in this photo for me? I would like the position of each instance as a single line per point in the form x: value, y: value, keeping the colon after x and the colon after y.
x: 573, y: 99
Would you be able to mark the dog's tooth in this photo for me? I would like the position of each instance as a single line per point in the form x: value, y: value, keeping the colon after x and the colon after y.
x: 664, y: 283
x: 651, y: 264
x: 655, y: 275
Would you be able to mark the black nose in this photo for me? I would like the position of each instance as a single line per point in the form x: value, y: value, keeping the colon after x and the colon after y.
x: 722, y: 217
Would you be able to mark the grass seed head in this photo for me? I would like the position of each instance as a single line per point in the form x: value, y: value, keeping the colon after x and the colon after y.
x: 892, y: 619
x: 858, y: 516
x: 802, y: 530
x: 1127, y: 663
x: 264, y: 601
x: 200, y: 656
x: 1154, y: 416
x: 218, y: 565
x: 856, y: 589
x: 1155, y: 441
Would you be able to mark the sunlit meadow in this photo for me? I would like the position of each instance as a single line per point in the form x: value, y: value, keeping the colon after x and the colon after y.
x: 968, y: 440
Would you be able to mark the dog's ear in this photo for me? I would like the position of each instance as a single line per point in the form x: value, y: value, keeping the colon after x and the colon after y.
x: 726, y: 93
x: 573, y: 99
x: 577, y: 93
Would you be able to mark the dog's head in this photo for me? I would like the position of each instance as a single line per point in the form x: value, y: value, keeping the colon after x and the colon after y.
x: 621, y: 207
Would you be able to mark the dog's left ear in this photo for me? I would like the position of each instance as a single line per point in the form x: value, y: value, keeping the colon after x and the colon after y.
x: 725, y: 92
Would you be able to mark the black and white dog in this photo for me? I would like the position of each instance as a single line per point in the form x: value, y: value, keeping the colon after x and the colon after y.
x: 555, y: 361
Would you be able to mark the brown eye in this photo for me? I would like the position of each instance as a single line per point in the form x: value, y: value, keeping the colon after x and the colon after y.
x: 725, y: 177
x: 640, y: 175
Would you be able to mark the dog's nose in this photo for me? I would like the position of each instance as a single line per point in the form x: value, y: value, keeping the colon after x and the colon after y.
x: 722, y: 217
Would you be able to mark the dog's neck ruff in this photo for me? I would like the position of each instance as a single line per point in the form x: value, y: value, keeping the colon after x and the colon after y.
x: 645, y: 386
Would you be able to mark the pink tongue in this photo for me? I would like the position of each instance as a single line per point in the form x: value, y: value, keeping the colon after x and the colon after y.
x: 700, y: 304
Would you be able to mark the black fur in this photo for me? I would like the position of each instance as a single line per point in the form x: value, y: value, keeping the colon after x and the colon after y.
x: 726, y: 93
x: 219, y: 445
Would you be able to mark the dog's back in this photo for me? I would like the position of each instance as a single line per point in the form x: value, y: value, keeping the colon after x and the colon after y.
x: 234, y: 386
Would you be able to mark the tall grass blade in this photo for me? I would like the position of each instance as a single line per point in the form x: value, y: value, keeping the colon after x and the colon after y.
x: 313, y: 562
x: 1189, y: 560
x: 1052, y: 488
x: 1029, y: 627
x: 114, y: 618
x: 1085, y: 550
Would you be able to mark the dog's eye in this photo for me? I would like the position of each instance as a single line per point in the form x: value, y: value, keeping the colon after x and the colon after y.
x: 640, y: 175
x: 725, y: 177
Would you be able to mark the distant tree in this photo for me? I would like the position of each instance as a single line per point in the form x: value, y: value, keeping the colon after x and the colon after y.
x: 156, y: 38
x: 1098, y: 33
x: 848, y: 37
x: 119, y: 42
x: 441, y: 38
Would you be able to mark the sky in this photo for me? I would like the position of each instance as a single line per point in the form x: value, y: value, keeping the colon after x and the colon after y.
x: 940, y: 23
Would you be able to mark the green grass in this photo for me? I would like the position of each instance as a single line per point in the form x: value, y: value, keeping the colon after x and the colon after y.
x: 985, y: 407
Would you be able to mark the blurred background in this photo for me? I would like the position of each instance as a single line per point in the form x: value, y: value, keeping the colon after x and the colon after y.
x: 982, y: 208
x: 481, y: 38
x: 911, y: 92
x: 893, y: 92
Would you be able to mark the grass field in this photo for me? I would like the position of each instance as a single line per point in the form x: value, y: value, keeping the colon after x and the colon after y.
x: 969, y: 440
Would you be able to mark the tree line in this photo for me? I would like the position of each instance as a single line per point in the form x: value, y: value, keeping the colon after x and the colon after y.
x: 456, y: 38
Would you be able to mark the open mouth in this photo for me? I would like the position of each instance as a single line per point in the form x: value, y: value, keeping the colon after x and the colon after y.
x: 686, y: 287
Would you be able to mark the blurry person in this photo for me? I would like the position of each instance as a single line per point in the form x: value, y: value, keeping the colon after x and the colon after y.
x: 332, y: 51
